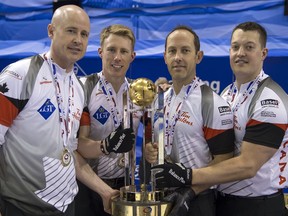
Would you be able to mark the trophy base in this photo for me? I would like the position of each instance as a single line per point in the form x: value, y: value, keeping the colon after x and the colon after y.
x: 143, y: 203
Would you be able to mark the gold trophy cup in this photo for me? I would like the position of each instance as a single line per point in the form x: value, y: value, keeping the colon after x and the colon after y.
x: 143, y: 200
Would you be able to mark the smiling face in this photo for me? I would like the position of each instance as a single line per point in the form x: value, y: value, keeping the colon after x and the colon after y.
x: 116, y: 53
x: 181, y: 56
x: 246, y: 55
x: 69, y: 33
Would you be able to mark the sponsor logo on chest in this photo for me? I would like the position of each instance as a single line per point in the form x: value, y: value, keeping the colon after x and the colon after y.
x: 185, y: 118
x: 101, y: 115
x: 46, y: 109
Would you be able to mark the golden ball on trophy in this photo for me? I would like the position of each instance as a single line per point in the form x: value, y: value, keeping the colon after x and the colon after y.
x: 142, y: 92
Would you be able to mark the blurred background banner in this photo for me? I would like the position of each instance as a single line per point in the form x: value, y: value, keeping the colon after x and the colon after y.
x: 24, y: 33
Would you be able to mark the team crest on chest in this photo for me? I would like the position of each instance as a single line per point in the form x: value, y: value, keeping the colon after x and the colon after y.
x: 46, y: 109
x: 101, y: 115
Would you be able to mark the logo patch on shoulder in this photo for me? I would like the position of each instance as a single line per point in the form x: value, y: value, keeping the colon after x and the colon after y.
x: 46, y: 109
x: 14, y: 74
x: 270, y: 103
x: 101, y: 115
x: 224, y: 109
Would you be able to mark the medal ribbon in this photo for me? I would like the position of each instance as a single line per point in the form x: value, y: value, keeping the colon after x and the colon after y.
x: 66, y: 123
x: 108, y: 92
x: 171, y: 123
x: 252, y: 86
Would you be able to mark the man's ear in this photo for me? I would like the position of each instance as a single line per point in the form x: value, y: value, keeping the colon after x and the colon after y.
x: 199, y: 56
x: 50, y: 30
x: 264, y: 53
x: 164, y: 54
x: 100, y: 52
x: 133, y: 55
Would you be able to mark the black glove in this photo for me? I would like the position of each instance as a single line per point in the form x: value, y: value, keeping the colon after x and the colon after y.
x: 172, y: 175
x: 120, y: 140
x: 180, y: 199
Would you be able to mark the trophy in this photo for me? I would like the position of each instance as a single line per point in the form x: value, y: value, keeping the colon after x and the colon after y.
x: 143, y: 199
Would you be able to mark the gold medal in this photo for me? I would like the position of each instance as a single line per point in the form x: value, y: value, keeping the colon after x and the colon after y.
x: 66, y: 157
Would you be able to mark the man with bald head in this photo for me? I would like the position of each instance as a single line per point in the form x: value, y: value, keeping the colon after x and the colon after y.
x: 41, y: 103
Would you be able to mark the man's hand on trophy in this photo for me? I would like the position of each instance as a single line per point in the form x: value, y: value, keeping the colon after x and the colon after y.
x: 172, y: 175
x: 151, y: 152
x: 180, y: 199
x: 120, y: 141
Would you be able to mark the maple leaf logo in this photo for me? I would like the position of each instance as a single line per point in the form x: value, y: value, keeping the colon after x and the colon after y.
x: 3, y: 88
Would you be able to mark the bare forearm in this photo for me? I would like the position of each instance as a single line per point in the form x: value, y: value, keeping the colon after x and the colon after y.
x: 244, y: 166
x: 87, y: 176
x: 217, y: 159
x: 89, y: 148
x: 226, y: 171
